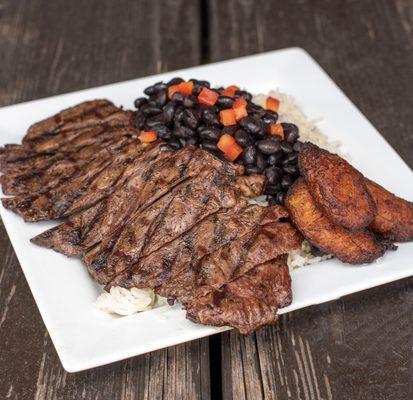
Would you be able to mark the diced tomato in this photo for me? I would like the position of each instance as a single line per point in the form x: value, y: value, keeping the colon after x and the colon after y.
x: 148, y: 136
x: 186, y: 87
x: 272, y: 104
x: 208, y: 97
x: 183, y: 87
x: 227, y: 117
x: 228, y: 145
x: 172, y: 89
x: 240, y: 108
x: 277, y: 130
x: 229, y: 91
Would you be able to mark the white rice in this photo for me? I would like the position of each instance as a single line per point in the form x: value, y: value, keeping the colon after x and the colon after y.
x: 124, y: 302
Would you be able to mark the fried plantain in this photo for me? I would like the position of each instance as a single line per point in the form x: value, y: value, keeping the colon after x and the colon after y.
x: 337, y: 187
x: 394, y: 217
x: 350, y: 247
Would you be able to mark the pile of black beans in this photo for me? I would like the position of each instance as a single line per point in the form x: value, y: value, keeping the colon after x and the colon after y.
x: 182, y: 121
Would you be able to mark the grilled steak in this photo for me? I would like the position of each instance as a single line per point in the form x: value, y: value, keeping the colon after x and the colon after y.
x: 81, y: 115
x: 69, y: 140
x: 246, y: 303
x: 73, y: 195
x: 151, y: 175
x: 164, y: 221
x: 146, y: 216
x: 58, y: 169
x: 231, y: 238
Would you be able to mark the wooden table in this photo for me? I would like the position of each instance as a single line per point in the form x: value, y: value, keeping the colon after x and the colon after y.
x: 358, y: 347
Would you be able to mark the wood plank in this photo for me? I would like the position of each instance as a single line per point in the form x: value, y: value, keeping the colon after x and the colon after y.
x: 358, y: 347
x: 55, y: 47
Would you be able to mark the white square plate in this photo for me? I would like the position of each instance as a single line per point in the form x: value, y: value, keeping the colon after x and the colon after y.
x: 84, y: 336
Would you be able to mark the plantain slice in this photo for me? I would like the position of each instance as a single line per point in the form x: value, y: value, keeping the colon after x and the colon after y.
x: 394, y: 217
x: 338, y: 188
x: 350, y: 247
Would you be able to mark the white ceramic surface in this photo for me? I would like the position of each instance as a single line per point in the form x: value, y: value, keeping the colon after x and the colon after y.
x: 86, y: 337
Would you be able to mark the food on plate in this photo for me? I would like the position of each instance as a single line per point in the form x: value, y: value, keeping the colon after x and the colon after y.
x: 166, y: 200
x: 350, y: 247
x: 394, y: 218
x: 337, y: 188
x: 203, y: 267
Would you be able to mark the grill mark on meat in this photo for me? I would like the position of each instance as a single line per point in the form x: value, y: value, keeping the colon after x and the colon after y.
x: 135, y: 246
x: 120, y: 207
x: 68, y: 140
x: 59, y: 171
x: 54, y: 203
x: 82, y: 111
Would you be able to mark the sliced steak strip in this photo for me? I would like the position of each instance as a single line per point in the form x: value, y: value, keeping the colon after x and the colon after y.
x: 164, y: 221
x: 151, y: 175
x: 177, y: 270
x: 246, y: 303
x: 66, y: 199
x: 116, y: 125
x: 59, y: 170
x: 96, y: 109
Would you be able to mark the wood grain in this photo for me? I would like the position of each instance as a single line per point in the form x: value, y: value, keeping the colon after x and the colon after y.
x: 359, y: 347
x: 56, y: 47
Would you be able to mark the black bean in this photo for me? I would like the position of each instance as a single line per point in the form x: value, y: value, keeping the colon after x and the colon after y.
x: 140, y: 101
x: 272, y: 189
x: 175, y: 144
x: 275, y: 159
x: 261, y: 161
x: 242, y: 137
x: 229, y: 130
x: 252, y: 170
x: 209, y: 133
x: 183, y: 132
x: 245, y: 95
x: 298, y: 146
x: 161, y: 98
x: 286, y: 181
x: 179, y: 114
x: 160, y: 86
x: 190, y: 101
x: 191, y: 118
x: 209, y: 146
x: 191, y: 141
x: 139, y: 120
x: 271, y: 201
x: 286, y: 147
x: 252, y: 107
x: 197, y: 90
x: 225, y: 102
x: 204, y: 84
x: 210, y: 118
x: 271, y: 112
x: 156, y: 120
x: 290, y: 132
x: 273, y: 175
x: 290, y: 159
x: 174, y: 81
x: 168, y: 112
x: 280, y: 198
x: 251, y: 125
x: 150, y: 110
x: 150, y: 90
x: 163, y: 132
x: 178, y: 97
x: 290, y: 169
x: 268, y: 146
x: 269, y: 118
x: 249, y: 155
